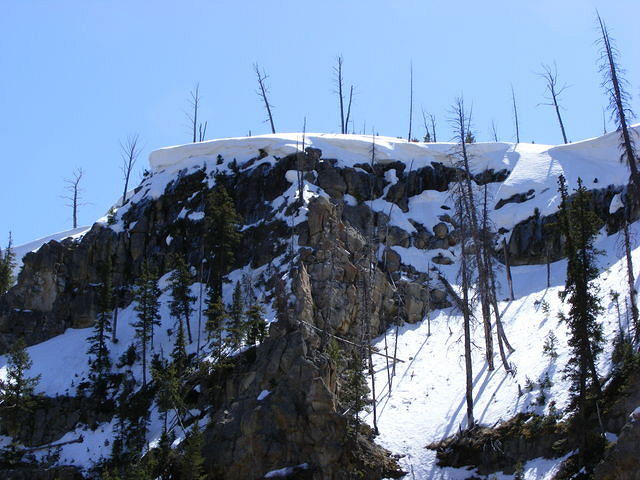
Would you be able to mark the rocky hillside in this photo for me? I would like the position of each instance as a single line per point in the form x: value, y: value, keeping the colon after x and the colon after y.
x: 313, y: 209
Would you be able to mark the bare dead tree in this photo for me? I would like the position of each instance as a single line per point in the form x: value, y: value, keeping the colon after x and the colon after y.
x: 130, y: 150
x: 619, y: 105
x: 74, y: 195
x: 494, y: 130
x: 192, y: 116
x: 427, y: 135
x: 604, y: 122
x: 410, y: 100
x: 263, y: 92
x: 202, y: 131
x: 631, y: 281
x: 488, y: 258
x: 515, y: 114
x: 619, y: 102
x: 339, y: 85
x: 346, y: 122
x: 463, y: 303
x: 507, y: 264
x: 550, y: 76
x: 432, y: 117
x: 460, y: 122
x: 299, y: 173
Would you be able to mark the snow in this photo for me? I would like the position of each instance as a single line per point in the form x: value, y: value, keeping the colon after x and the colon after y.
x: 283, y: 472
x: 263, y: 394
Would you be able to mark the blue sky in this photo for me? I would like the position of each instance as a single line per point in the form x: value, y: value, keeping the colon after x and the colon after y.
x: 79, y: 76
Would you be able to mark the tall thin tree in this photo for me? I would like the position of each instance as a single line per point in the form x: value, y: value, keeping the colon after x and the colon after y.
x: 410, y: 100
x: 619, y: 102
x: 340, y: 85
x: 263, y: 93
x: 515, y: 114
x: 74, y: 195
x: 494, y: 130
x: 461, y: 121
x: 130, y: 150
x: 550, y: 76
x: 192, y: 116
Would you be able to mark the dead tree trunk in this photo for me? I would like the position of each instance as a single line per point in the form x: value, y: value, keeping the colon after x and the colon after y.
x: 339, y: 84
x: 618, y: 103
x: 433, y: 126
x: 346, y: 122
x: 551, y: 78
x: 74, y: 195
x: 195, y: 105
x: 410, y: 100
x: 631, y: 279
x: 468, y: 198
x: 494, y: 131
x: 130, y: 153
x: 263, y: 94
x: 507, y: 265
x: 548, y: 261
x: 488, y: 260
x: 515, y: 114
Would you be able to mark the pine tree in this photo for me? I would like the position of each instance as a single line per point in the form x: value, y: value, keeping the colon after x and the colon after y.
x: 579, y: 225
x: 256, y: 324
x: 179, y: 352
x: 166, y: 378
x: 192, y: 464
x: 17, y: 391
x: 354, y: 391
x: 147, y: 307
x: 222, y: 234
x: 180, y: 283
x: 100, y: 364
x: 7, y: 264
x: 237, y: 317
x: 216, y: 314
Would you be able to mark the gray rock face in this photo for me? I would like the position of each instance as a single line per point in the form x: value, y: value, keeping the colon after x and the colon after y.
x: 622, y: 460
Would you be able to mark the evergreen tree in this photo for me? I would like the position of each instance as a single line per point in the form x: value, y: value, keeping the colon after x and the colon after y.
x: 17, y: 392
x: 237, y: 317
x: 100, y: 364
x: 579, y: 225
x: 192, y: 464
x: 7, y: 264
x: 354, y: 391
x: 179, y: 352
x: 147, y: 307
x: 222, y: 234
x: 256, y: 324
x: 180, y: 283
x: 216, y: 316
x: 169, y: 389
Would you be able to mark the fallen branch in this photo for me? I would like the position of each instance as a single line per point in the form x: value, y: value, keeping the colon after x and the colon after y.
x: 80, y: 439
x: 349, y: 342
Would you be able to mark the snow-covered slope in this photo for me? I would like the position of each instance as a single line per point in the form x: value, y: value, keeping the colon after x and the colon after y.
x: 427, y: 399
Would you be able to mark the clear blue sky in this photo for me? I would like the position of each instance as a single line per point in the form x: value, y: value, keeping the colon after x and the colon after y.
x: 78, y: 76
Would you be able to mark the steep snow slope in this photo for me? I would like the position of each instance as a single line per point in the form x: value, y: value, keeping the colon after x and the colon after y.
x: 426, y: 402
x: 427, y: 398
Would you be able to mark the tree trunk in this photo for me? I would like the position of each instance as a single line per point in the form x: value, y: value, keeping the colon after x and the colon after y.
x: 631, y: 279
x: 507, y: 265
